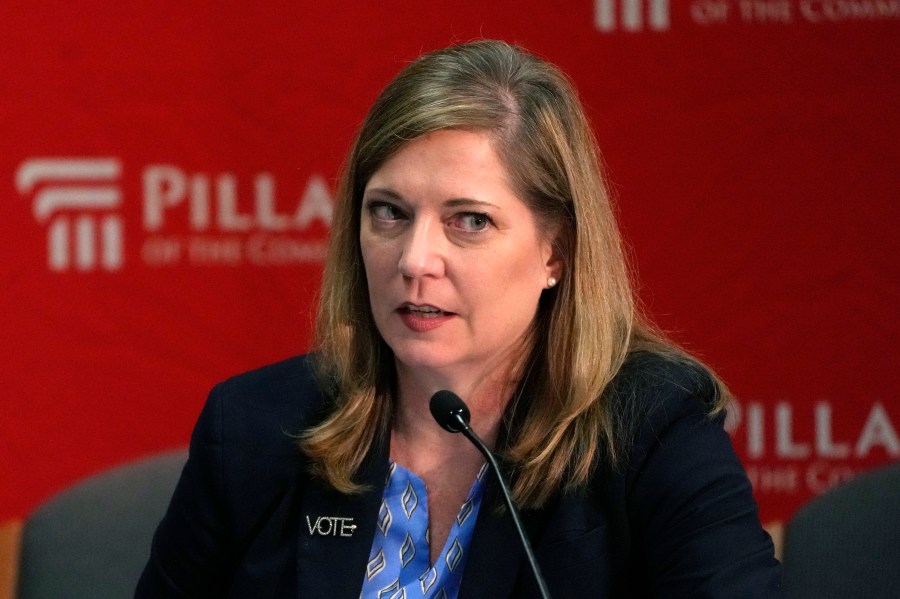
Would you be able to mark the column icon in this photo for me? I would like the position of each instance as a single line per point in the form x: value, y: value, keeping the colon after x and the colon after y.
x: 78, y: 200
x: 631, y: 15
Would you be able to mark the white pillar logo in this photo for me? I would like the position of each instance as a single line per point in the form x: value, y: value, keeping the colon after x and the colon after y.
x: 76, y: 197
x: 631, y: 15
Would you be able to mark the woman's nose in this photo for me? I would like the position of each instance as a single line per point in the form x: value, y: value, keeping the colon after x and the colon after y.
x: 422, y: 251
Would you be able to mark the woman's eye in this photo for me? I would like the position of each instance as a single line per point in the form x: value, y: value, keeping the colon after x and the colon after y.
x: 384, y: 211
x: 473, y: 221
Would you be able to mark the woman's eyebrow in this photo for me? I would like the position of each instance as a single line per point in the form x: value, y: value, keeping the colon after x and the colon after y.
x: 383, y: 191
x: 451, y: 203
x: 465, y: 202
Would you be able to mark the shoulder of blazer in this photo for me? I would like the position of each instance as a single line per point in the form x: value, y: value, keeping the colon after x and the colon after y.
x: 649, y: 392
x: 259, y: 416
x: 286, y: 395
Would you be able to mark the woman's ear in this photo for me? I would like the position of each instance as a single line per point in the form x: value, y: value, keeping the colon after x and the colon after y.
x: 553, y: 263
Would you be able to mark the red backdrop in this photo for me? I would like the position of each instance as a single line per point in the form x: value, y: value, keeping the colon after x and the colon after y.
x: 166, y: 175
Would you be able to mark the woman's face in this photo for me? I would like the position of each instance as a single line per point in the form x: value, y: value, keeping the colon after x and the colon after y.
x: 454, y: 260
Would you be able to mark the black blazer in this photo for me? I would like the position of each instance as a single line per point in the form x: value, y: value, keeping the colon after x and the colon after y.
x: 678, y: 520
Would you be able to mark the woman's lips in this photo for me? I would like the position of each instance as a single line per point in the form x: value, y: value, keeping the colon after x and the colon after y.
x: 422, y: 319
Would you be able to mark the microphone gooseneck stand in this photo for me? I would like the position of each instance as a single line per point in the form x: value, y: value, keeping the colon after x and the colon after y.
x: 453, y: 415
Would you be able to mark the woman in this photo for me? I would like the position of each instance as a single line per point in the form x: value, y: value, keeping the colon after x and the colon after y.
x: 474, y: 249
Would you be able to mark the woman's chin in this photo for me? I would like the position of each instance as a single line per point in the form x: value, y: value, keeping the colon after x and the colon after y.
x: 419, y: 361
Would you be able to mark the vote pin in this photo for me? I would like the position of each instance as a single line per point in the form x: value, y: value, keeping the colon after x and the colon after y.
x: 331, y: 526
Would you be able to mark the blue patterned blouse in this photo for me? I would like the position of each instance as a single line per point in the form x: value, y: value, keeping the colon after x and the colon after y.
x: 398, y: 566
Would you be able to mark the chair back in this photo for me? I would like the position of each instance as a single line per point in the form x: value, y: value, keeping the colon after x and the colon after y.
x: 92, y: 540
x: 846, y: 542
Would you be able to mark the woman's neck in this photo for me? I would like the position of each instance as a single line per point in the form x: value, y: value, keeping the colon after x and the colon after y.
x: 486, y: 398
x: 446, y: 462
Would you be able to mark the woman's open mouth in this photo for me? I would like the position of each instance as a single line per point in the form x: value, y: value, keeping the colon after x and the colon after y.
x: 422, y: 319
x: 423, y: 311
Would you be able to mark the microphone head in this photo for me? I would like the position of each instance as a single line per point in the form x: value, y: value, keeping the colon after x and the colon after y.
x: 449, y: 411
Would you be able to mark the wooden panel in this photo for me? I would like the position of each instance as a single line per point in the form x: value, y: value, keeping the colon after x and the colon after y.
x: 775, y: 528
x: 10, y: 533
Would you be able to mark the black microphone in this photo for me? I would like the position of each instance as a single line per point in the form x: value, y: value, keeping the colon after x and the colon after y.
x: 453, y: 415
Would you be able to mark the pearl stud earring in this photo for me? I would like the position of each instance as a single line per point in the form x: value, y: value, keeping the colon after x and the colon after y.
x: 551, y: 282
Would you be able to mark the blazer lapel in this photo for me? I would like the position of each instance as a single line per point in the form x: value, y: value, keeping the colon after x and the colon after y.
x: 331, y: 559
x: 496, y: 554
x: 336, y: 532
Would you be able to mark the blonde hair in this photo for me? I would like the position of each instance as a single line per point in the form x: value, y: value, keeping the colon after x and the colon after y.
x: 564, y: 424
